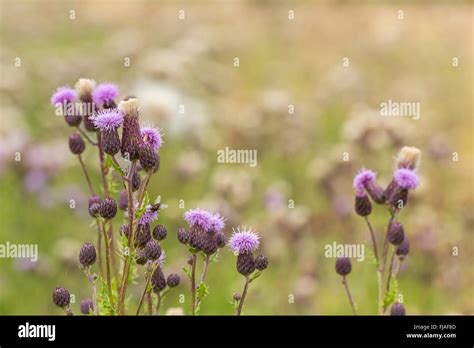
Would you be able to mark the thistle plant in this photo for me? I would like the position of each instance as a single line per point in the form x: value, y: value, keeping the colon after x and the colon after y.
x: 133, y: 156
x: 243, y: 243
x: 395, y: 198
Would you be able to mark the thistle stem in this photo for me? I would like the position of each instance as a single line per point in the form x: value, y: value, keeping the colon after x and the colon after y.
x: 86, y: 174
x: 91, y: 279
x: 193, y: 285
x: 244, y: 294
x: 372, y: 235
x: 203, y: 276
x: 344, y: 281
x: 150, y: 303
x: 145, y: 291
x: 107, y: 264
x: 158, y: 305
x: 85, y: 135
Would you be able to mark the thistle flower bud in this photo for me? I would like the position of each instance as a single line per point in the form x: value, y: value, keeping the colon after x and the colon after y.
x: 94, y: 199
x: 220, y: 239
x: 86, y: 306
x: 76, y: 144
x: 245, y: 263
x: 94, y: 210
x: 123, y: 200
x: 125, y: 229
x: 237, y: 297
x: 140, y: 257
x: 173, y: 280
x: 135, y: 181
x: 108, y: 208
x: 72, y: 120
x: 149, y: 159
x: 408, y: 157
x: 131, y: 137
x: 395, y: 234
x: 403, y: 249
x: 196, y: 238
x: 142, y: 234
x: 343, y: 266
x: 363, y: 207
x: 61, y: 297
x: 158, y: 280
x: 159, y: 232
x: 87, y: 255
x: 397, y: 309
x: 183, y: 235
x: 111, y: 142
x: 261, y: 262
x: 152, y: 250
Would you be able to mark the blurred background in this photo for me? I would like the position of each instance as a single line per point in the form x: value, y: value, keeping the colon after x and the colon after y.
x: 283, y: 62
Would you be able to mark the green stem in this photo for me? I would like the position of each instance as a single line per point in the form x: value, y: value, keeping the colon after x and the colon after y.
x: 244, y: 294
x: 344, y: 281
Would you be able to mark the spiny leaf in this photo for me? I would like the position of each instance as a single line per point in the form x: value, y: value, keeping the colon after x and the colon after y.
x: 187, y: 271
x: 110, y: 163
x: 202, y: 291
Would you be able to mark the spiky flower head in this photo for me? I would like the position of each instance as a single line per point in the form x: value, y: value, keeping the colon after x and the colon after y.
x: 63, y: 95
x: 84, y: 88
x: 199, y: 218
x: 107, y: 120
x: 152, y: 137
x: 244, y: 241
x: 406, y: 178
x: 408, y: 157
x: 362, y: 179
x: 105, y: 93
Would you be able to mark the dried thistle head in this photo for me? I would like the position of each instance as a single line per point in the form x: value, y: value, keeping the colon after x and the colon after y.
x: 408, y: 157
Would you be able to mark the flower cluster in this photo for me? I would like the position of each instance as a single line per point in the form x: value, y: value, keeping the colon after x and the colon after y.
x: 395, y: 198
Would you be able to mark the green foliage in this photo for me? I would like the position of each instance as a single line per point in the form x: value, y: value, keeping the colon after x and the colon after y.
x: 391, y: 295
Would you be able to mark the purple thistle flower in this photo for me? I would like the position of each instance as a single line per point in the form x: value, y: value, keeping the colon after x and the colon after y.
x: 148, y: 216
x: 199, y: 218
x: 244, y: 241
x: 62, y: 95
x: 217, y: 222
x: 152, y: 137
x: 406, y: 178
x: 107, y: 120
x: 364, y: 177
x: 104, y: 93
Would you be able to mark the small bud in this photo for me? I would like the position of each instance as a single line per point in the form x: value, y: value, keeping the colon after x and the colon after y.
x: 363, y: 207
x: 261, y: 262
x: 108, y: 208
x: 173, y: 280
x: 159, y: 232
x: 403, y: 249
x: 149, y: 159
x: 123, y: 200
x: 397, y: 309
x: 94, y: 199
x: 245, y: 264
x: 135, y: 181
x: 87, y: 255
x: 140, y: 257
x: 395, y: 234
x: 237, y: 297
x: 61, y: 297
x: 158, y: 280
x: 142, y: 234
x: 183, y: 235
x: 76, y: 144
x: 152, y: 250
x: 343, y: 266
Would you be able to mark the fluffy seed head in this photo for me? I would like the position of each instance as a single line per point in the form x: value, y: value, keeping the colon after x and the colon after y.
x: 87, y: 255
x: 151, y: 137
x: 63, y: 95
x: 198, y: 218
x: 107, y: 120
x: 104, y: 93
x: 84, y: 88
x: 76, y: 144
x: 173, y: 280
x: 408, y: 157
x: 343, y: 266
x: 61, y: 297
x: 87, y: 306
x: 397, y: 309
x: 244, y: 241
x: 364, y: 177
x: 406, y: 178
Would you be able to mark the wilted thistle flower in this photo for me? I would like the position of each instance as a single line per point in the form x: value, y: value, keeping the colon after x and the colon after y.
x: 397, y: 309
x: 131, y: 137
x: 104, y: 95
x: 151, y: 137
x: 183, y: 235
x: 408, y: 157
x: 149, y: 158
x: 395, y: 234
x: 363, y: 207
x: 108, y: 121
x: 343, y: 266
x: 159, y: 232
x: 108, y: 208
x: 152, y: 250
x: 87, y: 306
x: 87, y: 255
x: 84, y: 88
x: 76, y: 144
x: 365, y: 180
x: 261, y: 262
x: 123, y: 200
x: 61, y: 297
x: 158, y: 280
x: 173, y: 280
x: 64, y: 97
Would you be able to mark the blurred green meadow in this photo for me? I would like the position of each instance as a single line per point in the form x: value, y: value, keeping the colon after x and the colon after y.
x: 177, y: 56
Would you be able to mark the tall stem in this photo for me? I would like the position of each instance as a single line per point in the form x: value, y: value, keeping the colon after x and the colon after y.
x: 145, y: 291
x: 85, y: 135
x: 158, y: 305
x: 244, y: 294
x: 107, y: 264
x: 372, y: 235
x: 86, y: 174
x: 193, y: 284
x: 382, y: 265
x: 203, y: 276
x: 379, y: 271
x: 91, y: 279
x: 150, y: 303
x: 99, y: 248
x: 344, y: 281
